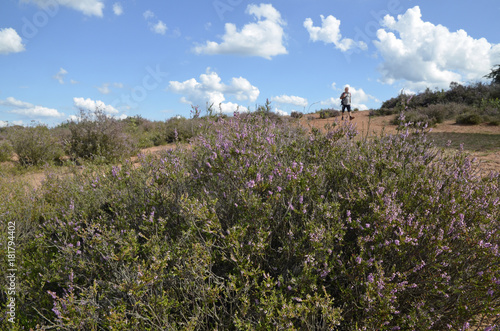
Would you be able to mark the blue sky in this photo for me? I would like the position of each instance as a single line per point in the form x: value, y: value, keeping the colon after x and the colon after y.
x: 157, y: 58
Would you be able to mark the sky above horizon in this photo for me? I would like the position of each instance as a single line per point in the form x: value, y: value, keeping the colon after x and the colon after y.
x: 157, y: 59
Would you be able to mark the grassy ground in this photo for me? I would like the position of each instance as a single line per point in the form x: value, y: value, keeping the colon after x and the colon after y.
x: 473, y: 142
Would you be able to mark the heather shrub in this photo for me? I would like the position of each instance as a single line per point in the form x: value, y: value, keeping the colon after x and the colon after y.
x: 6, y: 150
x: 97, y: 136
x: 259, y: 225
x: 34, y: 145
x: 413, y: 117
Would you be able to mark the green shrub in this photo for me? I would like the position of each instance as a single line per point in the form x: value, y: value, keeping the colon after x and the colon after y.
x: 99, y: 137
x: 262, y: 226
x: 296, y: 114
x: 181, y: 129
x: 34, y: 145
x: 469, y: 119
x: 413, y: 117
x: 327, y: 113
x: 6, y: 151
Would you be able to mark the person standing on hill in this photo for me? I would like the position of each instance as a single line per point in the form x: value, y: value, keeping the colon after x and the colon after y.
x: 346, y: 103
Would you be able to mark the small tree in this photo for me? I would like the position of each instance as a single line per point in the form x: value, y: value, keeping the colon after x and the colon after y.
x: 494, y: 74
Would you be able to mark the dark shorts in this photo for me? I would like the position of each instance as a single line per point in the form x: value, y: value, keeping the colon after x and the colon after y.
x: 346, y: 106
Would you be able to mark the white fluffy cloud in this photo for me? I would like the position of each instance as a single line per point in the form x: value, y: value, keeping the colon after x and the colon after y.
x: 27, y: 109
x: 5, y: 123
x: 10, y: 41
x: 12, y: 102
x: 104, y: 89
x: 92, y: 105
x: 263, y: 38
x: 87, y: 7
x: 37, y: 111
x: 158, y: 27
x: 428, y: 55
x: 281, y: 112
x: 329, y: 33
x: 60, y: 75
x: 209, y: 89
x: 117, y: 9
x: 290, y: 99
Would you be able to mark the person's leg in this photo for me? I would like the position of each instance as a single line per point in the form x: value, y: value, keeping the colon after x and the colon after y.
x: 343, y: 110
x: 349, y: 112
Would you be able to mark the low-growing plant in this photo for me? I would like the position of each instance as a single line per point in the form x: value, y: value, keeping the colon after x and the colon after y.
x: 261, y: 225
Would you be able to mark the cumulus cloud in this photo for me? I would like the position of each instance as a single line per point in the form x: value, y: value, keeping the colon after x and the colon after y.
x: 329, y: 33
x: 60, y: 75
x: 38, y: 111
x: 6, y: 123
x: 148, y: 14
x: 27, y: 109
x: 10, y: 41
x: 117, y: 9
x: 281, y: 112
x: 263, y: 38
x: 158, y: 27
x: 87, y: 7
x: 12, y: 102
x: 210, y: 89
x: 92, y: 105
x: 104, y: 89
x: 424, y: 54
x: 290, y: 99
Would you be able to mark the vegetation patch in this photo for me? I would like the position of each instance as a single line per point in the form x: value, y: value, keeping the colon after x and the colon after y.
x: 261, y: 225
x: 474, y: 142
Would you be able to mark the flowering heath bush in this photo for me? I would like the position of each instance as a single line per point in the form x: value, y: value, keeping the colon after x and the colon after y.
x: 260, y: 225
